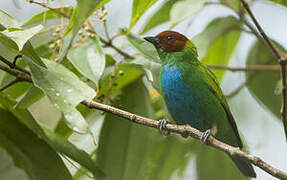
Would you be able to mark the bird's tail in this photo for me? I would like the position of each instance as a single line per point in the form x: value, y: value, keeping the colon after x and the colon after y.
x: 244, y: 166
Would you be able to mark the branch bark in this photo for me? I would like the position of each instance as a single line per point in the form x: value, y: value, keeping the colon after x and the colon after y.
x: 189, y: 131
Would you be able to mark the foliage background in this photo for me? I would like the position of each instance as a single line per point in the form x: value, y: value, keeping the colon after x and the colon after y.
x: 263, y: 131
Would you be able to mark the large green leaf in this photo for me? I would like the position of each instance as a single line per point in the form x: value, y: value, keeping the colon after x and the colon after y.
x: 130, y: 151
x: 218, y: 41
x: 29, y: 152
x: 182, y: 10
x: 213, y: 164
x: 83, y: 10
x: 7, y: 21
x: 64, y: 89
x: 89, y: 59
x: 49, y: 14
x: 264, y: 85
x: 9, y: 170
x: 139, y: 8
x: 57, y: 142
x: 20, y: 37
x: 160, y: 16
x: 33, y: 95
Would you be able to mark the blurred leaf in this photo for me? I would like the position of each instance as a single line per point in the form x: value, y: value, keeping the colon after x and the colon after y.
x: 64, y: 146
x: 213, y: 164
x: 281, y: 2
x: 217, y: 42
x: 55, y: 141
x: 109, y: 60
x: 9, y: 170
x: 151, y: 69
x: 62, y: 129
x: 139, y: 8
x: 20, y: 37
x: 49, y: 14
x: 182, y: 10
x: 264, y: 85
x: 221, y: 51
x: 160, y: 16
x: 64, y: 89
x: 131, y: 151
x: 144, y: 47
x: 33, y: 95
x: 89, y: 59
x: 84, y: 9
x: 18, y: 140
x: 128, y: 75
x: 8, y: 21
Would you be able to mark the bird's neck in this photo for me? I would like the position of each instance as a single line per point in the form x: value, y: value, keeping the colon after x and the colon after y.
x: 187, y: 56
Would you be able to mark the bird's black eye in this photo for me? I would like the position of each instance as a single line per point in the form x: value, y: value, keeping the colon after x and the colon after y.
x: 170, y: 37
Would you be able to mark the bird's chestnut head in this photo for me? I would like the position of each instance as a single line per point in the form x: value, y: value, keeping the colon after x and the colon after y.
x: 168, y: 41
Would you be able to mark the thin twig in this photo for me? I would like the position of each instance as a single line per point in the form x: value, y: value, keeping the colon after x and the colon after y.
x: 189, y: 131
x: 9, y: 84
x: 13, y: 65
x: 247, y: 68
x: 21, y: 76
x: 282, y: 60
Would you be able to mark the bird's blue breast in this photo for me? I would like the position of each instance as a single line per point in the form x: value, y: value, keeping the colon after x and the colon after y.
x: 181, y: 99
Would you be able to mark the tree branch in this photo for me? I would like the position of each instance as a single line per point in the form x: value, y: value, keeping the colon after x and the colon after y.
x: 247, y: 68
x: 9, y: 84
x: 13, y: 65
x: 281, y: 60
x: 189, y: 131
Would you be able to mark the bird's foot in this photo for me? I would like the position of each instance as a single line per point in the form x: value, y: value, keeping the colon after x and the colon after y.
x: 205, y: 135
x: 162, y: 126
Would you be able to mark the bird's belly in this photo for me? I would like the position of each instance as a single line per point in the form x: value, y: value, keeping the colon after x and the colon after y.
x: 181, y: 100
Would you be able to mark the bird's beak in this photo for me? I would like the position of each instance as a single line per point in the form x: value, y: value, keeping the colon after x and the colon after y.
x: 154, y: 40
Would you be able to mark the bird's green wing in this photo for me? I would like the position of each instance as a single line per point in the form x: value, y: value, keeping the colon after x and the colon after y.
x: 214, y: 87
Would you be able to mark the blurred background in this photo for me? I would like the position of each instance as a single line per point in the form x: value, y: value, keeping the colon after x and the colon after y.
x: 262, y: 130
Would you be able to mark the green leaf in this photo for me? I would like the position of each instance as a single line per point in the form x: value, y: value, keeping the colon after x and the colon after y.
x: 139, y: 8
x: 83, y: 10
x: 89, y: 59
x: 125, y: 74
x: 53, y: 140
x: 20, y: 37
x: 9, y: 170
x: 18, y: 140
x: 218, y: 41
x: 64, y: 89
x: 131, y: 151
x: 160, y: 16
x: 8, y: 21
x: 49, y: 14
x: 151, y: 69
x: 70, y: 150
x: 33, y: 95
x: 182, y: 10
x: 281, y: 2
x: 144, y: 47
x: 213, y: 164
x: 221, y: 51
x: 264, y: 85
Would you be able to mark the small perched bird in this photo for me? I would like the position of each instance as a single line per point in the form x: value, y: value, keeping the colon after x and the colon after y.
x: 193, y: 95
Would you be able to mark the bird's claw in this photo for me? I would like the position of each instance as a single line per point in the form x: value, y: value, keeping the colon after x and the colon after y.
x: 205, y: 135
x: 162, y: 125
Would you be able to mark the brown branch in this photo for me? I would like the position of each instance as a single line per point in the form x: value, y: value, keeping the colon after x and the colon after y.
x: 247, y: 68
x: 21, y: 76
x: 13, y: 65
x: 9, y: 84
x: 281, y: 60
x: 189, y: 131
